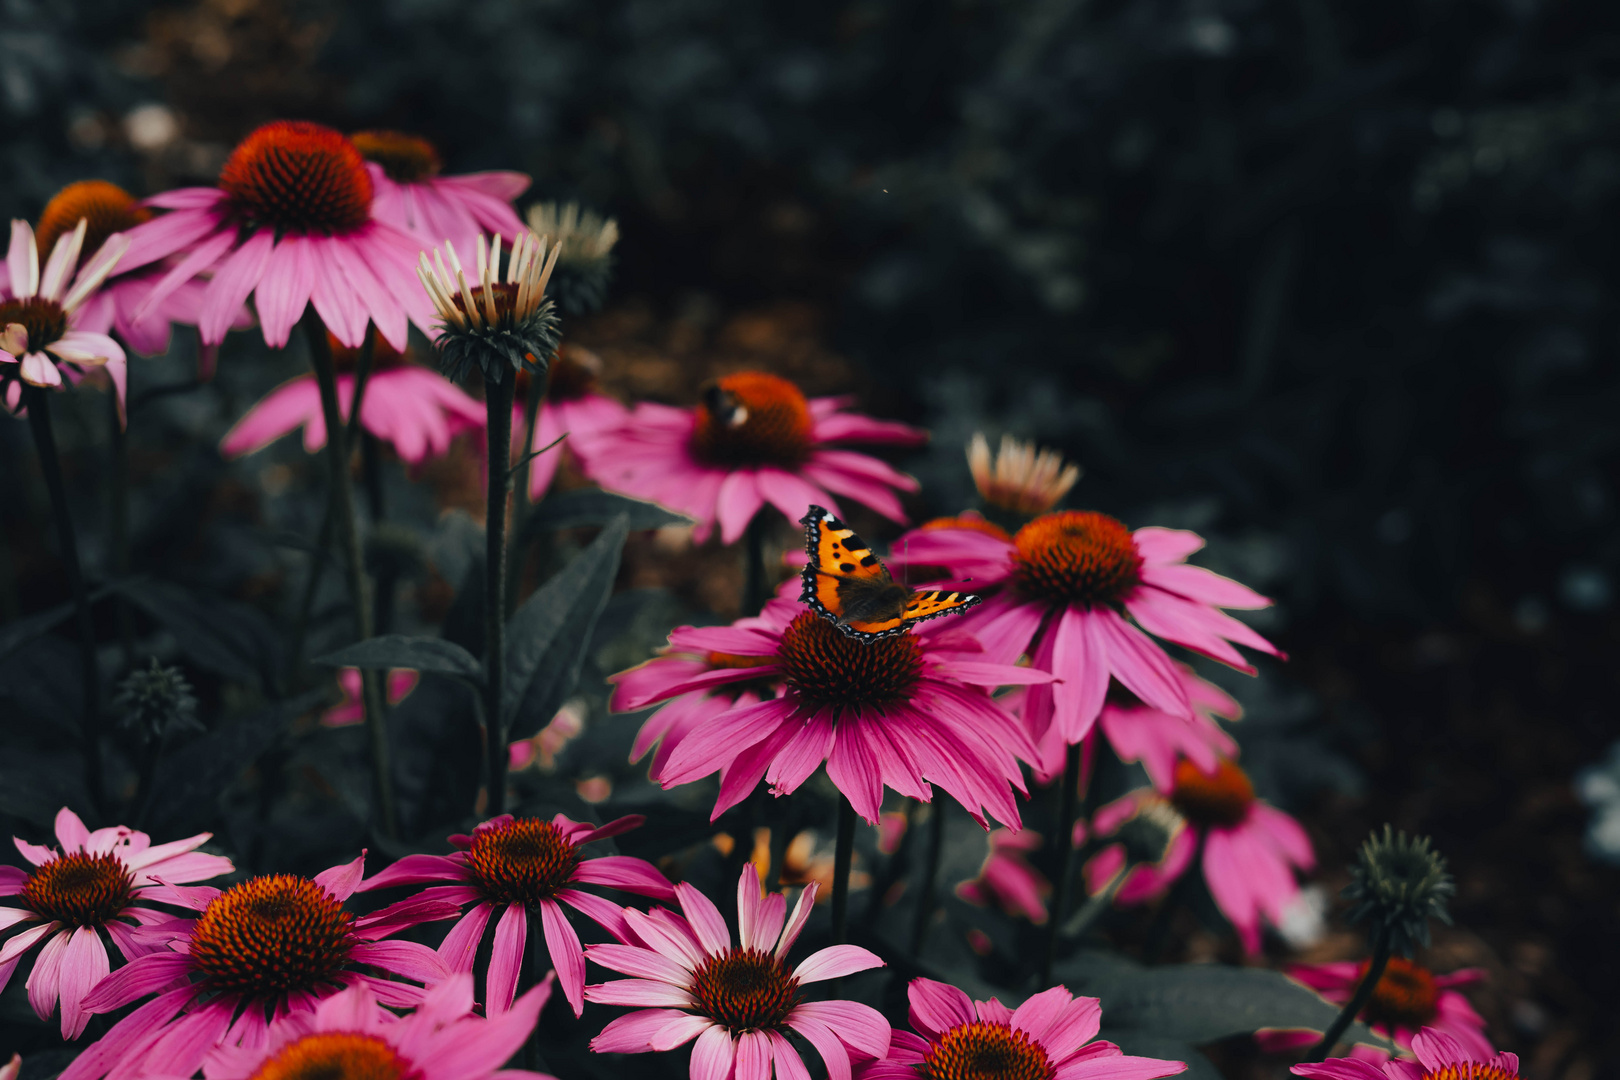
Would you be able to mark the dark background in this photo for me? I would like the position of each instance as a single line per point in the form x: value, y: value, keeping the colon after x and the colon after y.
x: 1329, y: 281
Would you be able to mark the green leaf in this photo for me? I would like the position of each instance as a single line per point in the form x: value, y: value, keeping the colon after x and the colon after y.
x: 1199, y: 1003
x: 547, y: 638
x: 400, y: 651
x: 222, y: 636
x: 592, y: 506
x: 17, y: 634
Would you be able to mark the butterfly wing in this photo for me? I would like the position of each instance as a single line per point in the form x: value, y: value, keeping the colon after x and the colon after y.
x: 836, y: 554
x: 932, y: 604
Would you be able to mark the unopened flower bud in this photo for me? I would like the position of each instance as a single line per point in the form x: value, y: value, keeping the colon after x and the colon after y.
x: 490, y: 320
x: 1147, y: 834
x: 586, y: 238
x: 1019, y: 480
x: 1399, y: 883
x: 157, y: 703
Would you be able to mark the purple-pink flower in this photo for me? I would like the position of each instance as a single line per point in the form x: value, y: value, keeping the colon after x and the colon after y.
x: 1408, y: 998
x: 42, y: 324
x: 694, y: 651
x: 1439, y: 1057
x: 255, y: 953
x: 1007, y: 878
x: 736, y: 996
x: 512, y: 865
x: 1063, y: 588
x: 415, y: 410
x: 289, y: 224
x: 413, y: 196
x: 1250, y: 848
x: 753, y: 439
x: 100, y: 882
x: 572, y: 407
x: 400, y: 682
x: 1052, y: 1035
x: 904, y: 712
x: 348, y: 1036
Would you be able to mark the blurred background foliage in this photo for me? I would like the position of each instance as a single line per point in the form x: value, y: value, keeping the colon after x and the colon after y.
x: 1331, y: 282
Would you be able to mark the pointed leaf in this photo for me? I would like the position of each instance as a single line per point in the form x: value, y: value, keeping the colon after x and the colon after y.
x: 591, y: 506
x: 401, y: 651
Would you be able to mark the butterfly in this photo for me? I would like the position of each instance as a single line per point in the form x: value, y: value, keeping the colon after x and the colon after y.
x: 850, y: 587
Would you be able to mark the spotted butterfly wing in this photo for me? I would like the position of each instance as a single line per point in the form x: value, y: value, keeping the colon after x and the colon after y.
x: 850, y: 587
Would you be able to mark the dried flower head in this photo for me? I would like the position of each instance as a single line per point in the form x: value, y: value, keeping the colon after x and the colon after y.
x: 158, y: 702
x: 493, y: 324
x: 1147, y: 834
x: 1020, y: 480
x: 1400, y: 883
x: 586, y: 240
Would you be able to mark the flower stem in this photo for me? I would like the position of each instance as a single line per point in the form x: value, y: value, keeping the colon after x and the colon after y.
x: 118, y: 525
x: 538, y: 380
x: 498, y: 402
x: 755, y: 589
x: 1358, y: 1000
x: 39, y: 422
x: 1093, y: 909
x: 1068, y: 807
x: 930, y: 883
x: 779, y: 818
x: 843, y: 857
x: 342, y: 505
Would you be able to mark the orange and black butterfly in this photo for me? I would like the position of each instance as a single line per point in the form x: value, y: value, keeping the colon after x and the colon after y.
x: 850, y: 587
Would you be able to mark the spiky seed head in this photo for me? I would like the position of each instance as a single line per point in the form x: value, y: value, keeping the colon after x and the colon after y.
x: 157, y: 702
x: 1398, y: 883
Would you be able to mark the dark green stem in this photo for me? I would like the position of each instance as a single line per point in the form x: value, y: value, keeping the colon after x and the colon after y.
x: 1358, y: 1000
x: 1094, y: 908
x: 780, y: 819
x: 756, y: 590
x: 348, y: 535
x: 1068, y: 807
x: 930, y: 883
x: 145, y: 789
x: 498, y: 402
x: 39, y: 422
x: 843, y: 858
x: 118, y: 525
x: 539, y: 378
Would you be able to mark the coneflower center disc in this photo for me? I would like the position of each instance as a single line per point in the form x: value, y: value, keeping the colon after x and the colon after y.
x: 336, y: 1055
x: 1220, y: 799
x: 1406, y: 995
x: 986, y: 1051
x: 504, y: 294
x: 523, y: 861
x: 271, y: 935
x: 79, y: 889
x: 106, y: 209
x: 1471, y: 1070
x: 827, y: 667
x: 298, y: 177
x: 44, y: 319
x: 752, y: 418
x: 1076, y: 557
x: 745, y: 990
x: 405, y: 159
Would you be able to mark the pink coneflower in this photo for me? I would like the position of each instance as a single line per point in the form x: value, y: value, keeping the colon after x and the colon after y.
x: 681, y: 678
x: 1251, y: 849
x: 904, y: 712
x: 351, y: 710
x: 99, y: 882
x: 1158, y: 739
x: 753, y: 439
x: 42, y: 313
x: 347, y: 1037
x: 109, y: 209
x: 738, y: 999
x: 1408, y: 998
x: 411, y: 195
x: 415, y: 410
x: 1049, y: 1037
x: 1007, y: 879
x: 1071, y: 578
x: 1439, y: 1057
x: 258, y: 951
x: 290, y: 224
x: 572, y: 407
x: 511, y: 865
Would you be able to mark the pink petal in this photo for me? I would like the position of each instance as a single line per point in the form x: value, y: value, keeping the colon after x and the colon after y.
x: 233, y: 281
x: 625, y: 872
x: 705, y: 919
x: 789, y: 1065
x: 937, y: 1007
x: 84, y: 964
x: 795, y: 924
x: 342, y: 880
x: 647, y: 992
x: 835, y: 962
x: 45, y: 981
x: 460, y: 946
x: 713, y: 1055
x: 70, y: 830
x: 633, y: 1032
x: 639, y: 962
x: 704, y: 751
x: 567, y: 958
x: 739, y: 501
x: 408, y: 958
x: 753, y: 1057
x: 284, y: 289
x: 861, y: 1026
x: 506, y: 960
x: 1202, y: 586
x: 826, y: 1042
x: 1157, y: 545
x: 146, y: 975
x: 1140, y: 664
